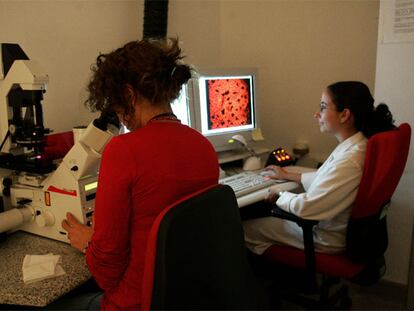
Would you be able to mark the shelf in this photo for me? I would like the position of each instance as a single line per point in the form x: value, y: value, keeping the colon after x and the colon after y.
x: 239, y: 154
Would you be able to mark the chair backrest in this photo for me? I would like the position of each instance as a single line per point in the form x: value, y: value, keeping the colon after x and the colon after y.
x: 196, y: 257
x: 385, y: 161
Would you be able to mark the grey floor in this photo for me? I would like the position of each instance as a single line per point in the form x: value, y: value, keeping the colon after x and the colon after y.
x: 382, y: 296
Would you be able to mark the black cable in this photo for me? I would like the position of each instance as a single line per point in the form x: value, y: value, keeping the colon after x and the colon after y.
x: 4, y: 140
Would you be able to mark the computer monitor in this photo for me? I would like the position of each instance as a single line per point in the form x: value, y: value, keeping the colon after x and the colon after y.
x: 180, y: 106
x: 225, y: 105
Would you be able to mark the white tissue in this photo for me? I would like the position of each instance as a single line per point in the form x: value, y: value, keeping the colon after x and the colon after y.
x: 39, y: 267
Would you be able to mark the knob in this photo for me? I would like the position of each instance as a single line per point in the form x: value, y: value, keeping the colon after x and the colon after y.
x: 45, y: 218
x: 12, y: 129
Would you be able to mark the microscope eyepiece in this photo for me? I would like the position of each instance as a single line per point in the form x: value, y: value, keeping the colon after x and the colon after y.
x: 106, y: 118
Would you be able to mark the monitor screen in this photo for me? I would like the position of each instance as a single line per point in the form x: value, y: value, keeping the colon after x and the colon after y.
x: 226, y: 103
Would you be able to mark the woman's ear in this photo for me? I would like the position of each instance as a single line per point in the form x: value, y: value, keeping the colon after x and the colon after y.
x: 346, y: 115
x: 129, y: 94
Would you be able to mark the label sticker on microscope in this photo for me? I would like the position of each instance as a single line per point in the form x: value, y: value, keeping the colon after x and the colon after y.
x: 47, y: 198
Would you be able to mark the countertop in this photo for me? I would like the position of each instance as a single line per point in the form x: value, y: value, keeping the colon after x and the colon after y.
x: 12, y: 252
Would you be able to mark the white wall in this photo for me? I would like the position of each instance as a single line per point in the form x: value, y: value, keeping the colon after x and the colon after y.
x: 65, y: 37
x: 394, y: 83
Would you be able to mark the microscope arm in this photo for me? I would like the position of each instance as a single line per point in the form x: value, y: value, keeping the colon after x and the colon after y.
x: 27, y: 74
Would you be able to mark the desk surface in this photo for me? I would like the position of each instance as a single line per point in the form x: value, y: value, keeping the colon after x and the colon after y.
x: 12, y: 251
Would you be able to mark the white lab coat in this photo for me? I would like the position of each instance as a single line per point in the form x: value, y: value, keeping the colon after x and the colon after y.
x: 330, y: 193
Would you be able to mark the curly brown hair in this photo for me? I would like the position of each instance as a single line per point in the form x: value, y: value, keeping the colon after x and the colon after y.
x: 152, y: 67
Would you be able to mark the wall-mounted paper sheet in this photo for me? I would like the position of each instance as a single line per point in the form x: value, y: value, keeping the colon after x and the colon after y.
x: 398, y: 21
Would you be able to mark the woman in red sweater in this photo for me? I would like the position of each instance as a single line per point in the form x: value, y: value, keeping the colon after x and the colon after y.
x: 143, y: 171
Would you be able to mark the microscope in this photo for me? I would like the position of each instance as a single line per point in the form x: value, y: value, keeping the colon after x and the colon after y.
x: 36, y: 192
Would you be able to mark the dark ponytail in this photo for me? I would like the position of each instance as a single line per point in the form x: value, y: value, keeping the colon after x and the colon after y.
x: 356, y: 97
x: 380, y: 121
x: 181, y: 73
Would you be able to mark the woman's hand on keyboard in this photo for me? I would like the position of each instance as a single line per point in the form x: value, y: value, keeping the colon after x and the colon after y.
x: 281, y: 173
x: 278, y: 172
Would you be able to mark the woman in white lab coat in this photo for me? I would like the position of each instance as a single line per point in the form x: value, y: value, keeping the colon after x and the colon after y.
x: 347, y: 112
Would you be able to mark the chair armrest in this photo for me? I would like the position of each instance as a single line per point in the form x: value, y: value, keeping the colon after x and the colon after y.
x: 309, y: 247
x: 279, y: 213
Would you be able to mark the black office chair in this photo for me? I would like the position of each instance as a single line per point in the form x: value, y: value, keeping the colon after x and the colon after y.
x: 196, y: 257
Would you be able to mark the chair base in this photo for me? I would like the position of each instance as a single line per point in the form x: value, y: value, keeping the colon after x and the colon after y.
x: 288, y: 284
x: 333, y: 294
x: 339, y: 300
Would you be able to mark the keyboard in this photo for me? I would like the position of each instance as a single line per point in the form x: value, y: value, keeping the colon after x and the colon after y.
x: 247, y: 182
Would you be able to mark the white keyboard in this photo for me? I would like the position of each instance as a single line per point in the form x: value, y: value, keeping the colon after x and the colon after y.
x: 247, y: 182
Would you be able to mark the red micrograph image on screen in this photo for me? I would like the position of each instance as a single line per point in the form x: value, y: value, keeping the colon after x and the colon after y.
x: 228, y: 103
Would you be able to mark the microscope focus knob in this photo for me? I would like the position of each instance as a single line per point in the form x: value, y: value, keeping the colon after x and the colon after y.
x: 45, y: 218
x: 12, y: 129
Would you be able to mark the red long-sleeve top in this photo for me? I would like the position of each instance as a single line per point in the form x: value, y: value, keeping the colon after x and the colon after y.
x: 141, y: 173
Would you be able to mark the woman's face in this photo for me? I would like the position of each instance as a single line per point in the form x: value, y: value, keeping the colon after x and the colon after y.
x: 129, y: 120
x: 328, y: 117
